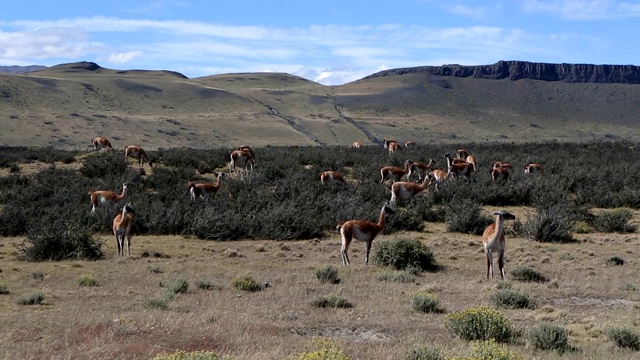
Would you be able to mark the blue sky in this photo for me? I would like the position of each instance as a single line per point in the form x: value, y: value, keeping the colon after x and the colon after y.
x: 331, y: 42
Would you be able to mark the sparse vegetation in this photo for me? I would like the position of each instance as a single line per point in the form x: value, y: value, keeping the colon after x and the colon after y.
x: 179, y: 286
x: 426, y: 303
x: 327, y: 274
x: 624, y: 337
x: 425, y: 352
x: 405, y: 253
x: 246, y: 283
x: 191, y: 355
x: 480, y: 323
x: 87, y: 280
x: 548, y: 336
x: 332, y: 301
x: 33, y: 299
x: 512, y: 299
x: 527, y: 274
x: 321, y: 349
x: 616, y: 220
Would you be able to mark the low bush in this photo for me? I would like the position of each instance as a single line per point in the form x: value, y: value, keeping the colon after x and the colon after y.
x: 489, y: 349
x: 328, y: 274
x: 615, y: 261
x: 623, y: 337
x: 192, y: 355
x: 59, y: 241
x: 403, y: 277
x: 465, y: 216
x: 332, y: 301
x: 405, y: 253
x: 480, y: 323
x: 161, y: 303
x: 4, y: 290
x: 426, y: 303
x: 512, y: 299
x: 526, y: 274
x: 615, y: 221
x: 553, y: 224
x: 321, y: 349
x: 206, y: 285
x: 424, y: 352
x: 246, y: 284
x: 33, y: 299
x: 549, y: 337
x: 179, y: 286
x: 87, y: 280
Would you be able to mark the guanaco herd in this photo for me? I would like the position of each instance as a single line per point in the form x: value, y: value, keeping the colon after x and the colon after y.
x: 462, y: 166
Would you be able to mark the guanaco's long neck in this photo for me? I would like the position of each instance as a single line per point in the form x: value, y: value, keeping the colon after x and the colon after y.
x: 499, y: 227
x: 381, y: 218
x: 123, y: 194
x: 218, y: 182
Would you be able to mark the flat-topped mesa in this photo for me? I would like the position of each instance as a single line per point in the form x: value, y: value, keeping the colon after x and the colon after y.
x: 517, y: 70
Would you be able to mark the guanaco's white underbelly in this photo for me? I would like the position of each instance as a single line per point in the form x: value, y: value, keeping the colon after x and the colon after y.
x: 360, y: 235
x: 405, y: 193
x: 493, y: 245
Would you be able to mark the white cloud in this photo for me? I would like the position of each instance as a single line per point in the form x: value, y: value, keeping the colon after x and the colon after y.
x: 585, y: 9
x: 43, y: 43
x: 123, y: 57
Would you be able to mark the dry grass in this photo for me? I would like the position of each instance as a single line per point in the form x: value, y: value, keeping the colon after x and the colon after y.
x: 111, y: 320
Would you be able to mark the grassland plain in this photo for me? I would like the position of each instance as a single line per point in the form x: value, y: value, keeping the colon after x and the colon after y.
x: 68, y: 105
x: 134, y: 310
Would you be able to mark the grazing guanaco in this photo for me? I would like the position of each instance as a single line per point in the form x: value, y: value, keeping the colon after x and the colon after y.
x: 362, y: 230
x: 106, y: 197
x: 137, y: 152
x: 101, y: 142
x: 499, y: 173
x: 502, y: 164
x: 461, y: 169
x: 407, y: 189
x: 438, y: 176
x: 391, y: 145
x: 332, y: 178
x: 356, y: 145
x: 419, y: 168
x: 122, y: 224
x: 394, y: 173
x: 204, y: 190
x: 243, y: 155
x: 493, y: 241
x: 533, y: 169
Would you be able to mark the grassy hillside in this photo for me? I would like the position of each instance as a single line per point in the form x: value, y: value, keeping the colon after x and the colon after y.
x: 68, y: 105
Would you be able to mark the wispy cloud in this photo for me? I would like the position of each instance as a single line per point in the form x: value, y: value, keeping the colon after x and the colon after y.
x: 585, y: 9
x: 331, y: 54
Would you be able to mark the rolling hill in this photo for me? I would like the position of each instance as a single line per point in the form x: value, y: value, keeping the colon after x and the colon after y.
x: 69, y: 104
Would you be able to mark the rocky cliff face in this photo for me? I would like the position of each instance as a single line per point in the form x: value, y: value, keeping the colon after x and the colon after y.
x: 516, y: 70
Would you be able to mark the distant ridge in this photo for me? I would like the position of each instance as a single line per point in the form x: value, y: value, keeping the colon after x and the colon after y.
x: 15, y: 69
x: 518, y: 70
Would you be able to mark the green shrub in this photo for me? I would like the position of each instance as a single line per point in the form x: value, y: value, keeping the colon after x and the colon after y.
x: 527, y: 274
x: 60, y: 241
x: 623, y: 337
x: 549, y: 337
x: 192, y: 355
x: 554, y: 224
x: 465, y: 216
x: 87, y: 280
x: 4, y: 290
x: 321, y: 349
x: 405, y: 253
x: 615, y: 261
x: 179, y: 286
x: 161, y: 303
x: 37, y: 275
x: 327, y: 274
x: 512, y: 299
x: 614, y: 221
x: 332, y: 301
x: 480, y: 323
x: 33, y: 299
x: 426, y: 303
x: 425, y: 352
x: 490, y: 350
x: 246, y: 284
x: 206, y: 285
